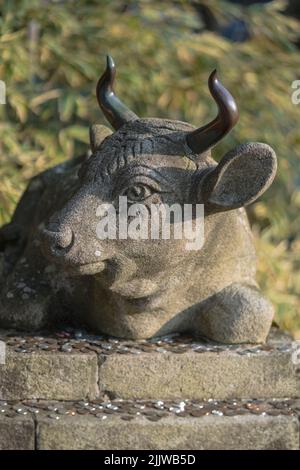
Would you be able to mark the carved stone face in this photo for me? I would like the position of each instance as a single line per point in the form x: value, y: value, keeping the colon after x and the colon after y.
x: 146, y: 161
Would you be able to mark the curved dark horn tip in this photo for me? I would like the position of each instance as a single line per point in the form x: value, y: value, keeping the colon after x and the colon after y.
x: 114, y: 110
x: 209, y: 135
x: 110, y: 72
x: 227, y: 106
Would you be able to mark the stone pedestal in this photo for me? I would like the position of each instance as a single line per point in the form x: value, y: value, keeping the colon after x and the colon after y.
x: 75, y: 391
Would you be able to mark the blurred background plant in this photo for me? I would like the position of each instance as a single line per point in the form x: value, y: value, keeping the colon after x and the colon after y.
x: 52, y: 53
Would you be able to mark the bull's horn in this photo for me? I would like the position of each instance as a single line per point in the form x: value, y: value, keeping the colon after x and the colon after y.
x: 207, y: 136
x: 114, y: 110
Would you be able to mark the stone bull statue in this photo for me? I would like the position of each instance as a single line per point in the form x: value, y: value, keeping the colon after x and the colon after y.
x: 55, y: 269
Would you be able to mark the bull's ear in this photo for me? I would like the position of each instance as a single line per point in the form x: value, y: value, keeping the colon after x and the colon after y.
x: 97, y: 135
x: 241, y: 176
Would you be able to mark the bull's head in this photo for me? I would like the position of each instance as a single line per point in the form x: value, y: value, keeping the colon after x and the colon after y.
x: 153, y: 161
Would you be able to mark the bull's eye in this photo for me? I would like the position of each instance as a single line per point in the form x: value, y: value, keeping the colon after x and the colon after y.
x: 138, y: 192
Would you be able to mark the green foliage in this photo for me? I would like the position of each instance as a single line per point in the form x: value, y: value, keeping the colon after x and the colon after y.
x: 52, y: 53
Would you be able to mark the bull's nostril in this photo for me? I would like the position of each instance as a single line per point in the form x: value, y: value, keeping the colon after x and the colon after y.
x: 60, y: 240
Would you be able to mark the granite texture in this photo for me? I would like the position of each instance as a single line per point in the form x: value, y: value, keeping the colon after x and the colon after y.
x: 17, y: 433
x: 48, y: 376
x: 209, y: 432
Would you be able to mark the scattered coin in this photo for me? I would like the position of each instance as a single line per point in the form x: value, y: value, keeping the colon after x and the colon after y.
x: 197, y: 413
x: 127, y: 417
x: 53, y: 416
x: 66, y: 348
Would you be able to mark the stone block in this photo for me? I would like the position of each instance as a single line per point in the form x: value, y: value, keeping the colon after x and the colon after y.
x: 51, y: 376
x: 208, y: 432
x: 221, y: 373
x: 17, y: 433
